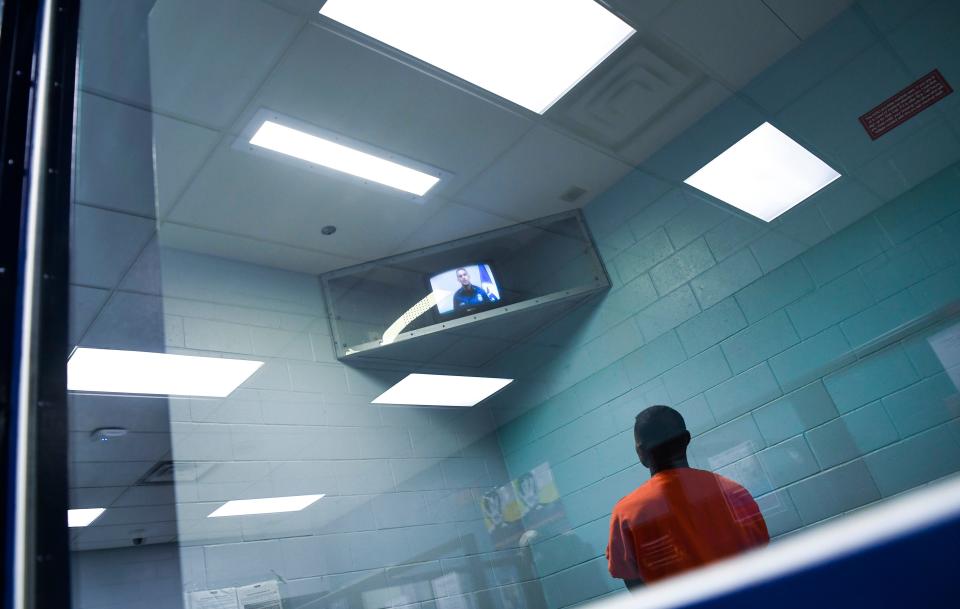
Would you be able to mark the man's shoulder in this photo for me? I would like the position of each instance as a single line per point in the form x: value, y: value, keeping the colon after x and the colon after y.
x: 702, y: 476
x: 635, y: 499
x: 725, y: 483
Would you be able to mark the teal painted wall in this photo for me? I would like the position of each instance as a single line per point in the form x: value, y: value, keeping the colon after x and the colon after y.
x: 755, y: 331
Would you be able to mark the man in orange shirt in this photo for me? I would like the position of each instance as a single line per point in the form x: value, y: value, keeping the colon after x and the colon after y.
x: 682, y: 517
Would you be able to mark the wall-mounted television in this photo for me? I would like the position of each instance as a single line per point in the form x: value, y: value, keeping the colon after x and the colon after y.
x: 465, y: 289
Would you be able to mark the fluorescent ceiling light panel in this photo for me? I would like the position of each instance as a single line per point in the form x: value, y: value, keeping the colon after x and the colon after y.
x: 82, y: 518
x: 139, y: 372
x: 269, y: 505
x: 530, y: 52
x: 764, y: 174
x: 441, y: 390
x: 327, y: 153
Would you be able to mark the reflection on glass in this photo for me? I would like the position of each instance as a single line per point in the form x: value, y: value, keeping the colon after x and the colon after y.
x: 338, y: 157
x: 813, y: 362
x: 138, y: 372
x: 515, y: 512
x: 946, y: 346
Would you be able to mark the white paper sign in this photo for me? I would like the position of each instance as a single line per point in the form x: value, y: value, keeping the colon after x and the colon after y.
x: 224, y: 598
x: 265, y: 595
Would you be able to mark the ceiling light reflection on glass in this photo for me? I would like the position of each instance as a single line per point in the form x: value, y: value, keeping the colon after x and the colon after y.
x: 268, y: 505
x: 441, y: 390
x: 764, y: 174
x: 326, y: 153
x: 83, y: 517
x: 530, y: 52
x: 143, y: 373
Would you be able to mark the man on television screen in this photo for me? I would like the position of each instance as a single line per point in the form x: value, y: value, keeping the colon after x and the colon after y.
x: 468, y: 295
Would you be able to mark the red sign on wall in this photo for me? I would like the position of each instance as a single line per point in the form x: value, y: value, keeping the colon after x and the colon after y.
x: 906, y: 104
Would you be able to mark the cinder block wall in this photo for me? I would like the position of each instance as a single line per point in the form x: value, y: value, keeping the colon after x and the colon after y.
x: 400, y: 524
x: 764, y: 367
x: 755, y: 331
x: 402, y: 484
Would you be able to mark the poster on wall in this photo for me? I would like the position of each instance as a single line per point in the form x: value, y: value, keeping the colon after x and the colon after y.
x: 222, y: 598
x: 539, y: 498
x: 264, y: 595
x: 515, y: 512
x: 501, y: 515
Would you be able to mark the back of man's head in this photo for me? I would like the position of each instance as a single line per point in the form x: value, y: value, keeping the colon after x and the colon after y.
x: 661, y: 432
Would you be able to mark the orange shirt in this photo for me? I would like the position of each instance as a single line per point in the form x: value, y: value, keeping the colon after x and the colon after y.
x: 680, y: 519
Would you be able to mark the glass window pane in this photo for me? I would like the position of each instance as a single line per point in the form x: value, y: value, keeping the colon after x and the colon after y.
x: 237, y: 309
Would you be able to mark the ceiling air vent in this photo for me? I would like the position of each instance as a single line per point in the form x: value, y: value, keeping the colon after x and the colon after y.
x: 573, y: 194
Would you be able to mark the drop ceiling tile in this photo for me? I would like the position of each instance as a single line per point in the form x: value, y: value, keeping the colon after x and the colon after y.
x: 131, y: 516
x: 114, y: 48
x: 374, y: 98
x: 85, y: 303
x: 101, y: 537
x: 148, y: 495
x: 179, y: 150
x: 246, y: 249
x: 824, y: 119
x: 104, y: 244
x: 128, y: 321
x: 888, y: 14
x: 675, y: 119
x: 953, y: 118
x: 639, y: 14
x: 123, y: 151
x: 452, y: 222
x: 264, y: 198
x: 931, y: 39
x: 94, y: 497
x: 805, y: 17
x: 734, y: 40
x: 135, y: 446
x: 207, y: 58
x: 527, y: 182
x: 816, y: 59
x: 134, y: 413
x: 707, y: 138
x: 114, y: 473
x: 145, y: 274
x: 114, y: 156
x: 303, y: 8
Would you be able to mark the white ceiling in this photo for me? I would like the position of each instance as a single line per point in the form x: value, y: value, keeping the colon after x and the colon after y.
x: 507, y: 164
